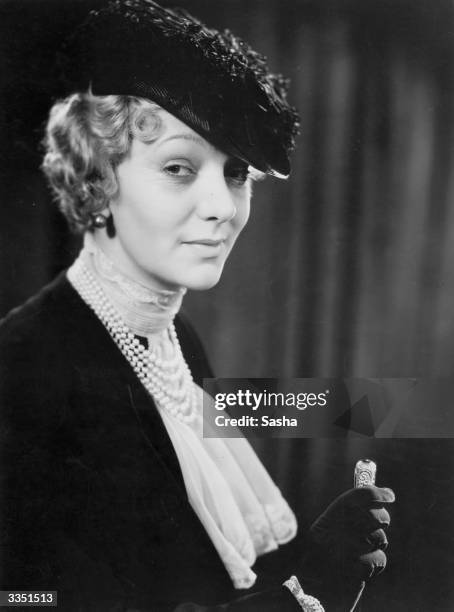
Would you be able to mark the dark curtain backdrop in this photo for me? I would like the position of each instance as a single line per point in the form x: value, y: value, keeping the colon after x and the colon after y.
x: 344, y: 270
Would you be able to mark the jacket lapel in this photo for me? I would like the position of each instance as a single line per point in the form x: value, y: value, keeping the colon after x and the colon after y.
x: 105, y: 373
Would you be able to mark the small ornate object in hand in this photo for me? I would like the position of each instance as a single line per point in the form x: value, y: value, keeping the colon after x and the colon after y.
x: 365, y: 473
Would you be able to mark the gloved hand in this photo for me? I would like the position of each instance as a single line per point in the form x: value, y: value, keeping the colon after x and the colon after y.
x: 347, y: 544
x: 350, y: 533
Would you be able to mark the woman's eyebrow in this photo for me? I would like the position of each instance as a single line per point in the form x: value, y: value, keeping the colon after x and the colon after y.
x: 185, y: 136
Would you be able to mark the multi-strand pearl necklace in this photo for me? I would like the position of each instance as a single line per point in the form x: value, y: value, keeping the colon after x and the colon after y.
x: 168, y: 380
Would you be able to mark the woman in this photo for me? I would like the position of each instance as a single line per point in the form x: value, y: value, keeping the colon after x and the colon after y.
x: 111, y: 495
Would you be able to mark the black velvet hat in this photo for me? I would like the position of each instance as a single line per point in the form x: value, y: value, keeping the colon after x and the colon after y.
x: 212, y: 81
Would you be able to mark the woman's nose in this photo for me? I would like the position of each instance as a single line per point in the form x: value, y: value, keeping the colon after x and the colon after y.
x: 216, y: 201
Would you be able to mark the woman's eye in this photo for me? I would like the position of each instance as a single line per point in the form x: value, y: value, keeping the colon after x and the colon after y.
x: 178, y: 170
x: 238, y: 174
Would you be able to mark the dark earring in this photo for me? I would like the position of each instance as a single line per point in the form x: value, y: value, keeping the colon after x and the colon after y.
x: 99, y: 221
x: 110, y: 227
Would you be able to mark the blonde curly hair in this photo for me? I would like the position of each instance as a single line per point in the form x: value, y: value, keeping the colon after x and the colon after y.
x: 86, y: 137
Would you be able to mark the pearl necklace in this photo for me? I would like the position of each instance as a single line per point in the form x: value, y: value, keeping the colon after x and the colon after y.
x: 169, y: 381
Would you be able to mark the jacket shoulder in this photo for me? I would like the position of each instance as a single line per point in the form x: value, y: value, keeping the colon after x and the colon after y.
x: 56, y: 321
x: 32, y: 348
x: 37, y: 316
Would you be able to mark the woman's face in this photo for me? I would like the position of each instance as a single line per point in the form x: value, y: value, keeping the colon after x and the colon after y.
x: 180, y: 207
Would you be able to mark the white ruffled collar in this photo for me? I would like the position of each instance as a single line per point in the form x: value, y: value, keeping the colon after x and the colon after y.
x: 145, y: 310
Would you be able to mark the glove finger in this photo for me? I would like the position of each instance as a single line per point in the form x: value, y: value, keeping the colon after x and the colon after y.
x: 350, y: 546
x: 380, y: 516
x: 371, y: 564
x: 367, y: 496
x: 377, y: 539
x: 361, y: 564
x: 359, y: 521
x: 353, y: 501
x: 363, y: 521
x: 357, y: 546
x: 352, y: 532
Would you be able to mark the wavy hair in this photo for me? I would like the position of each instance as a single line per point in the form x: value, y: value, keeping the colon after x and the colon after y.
x: 86, y: 137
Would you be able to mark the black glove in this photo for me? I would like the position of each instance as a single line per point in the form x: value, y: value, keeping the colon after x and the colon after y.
x: 346, y: 545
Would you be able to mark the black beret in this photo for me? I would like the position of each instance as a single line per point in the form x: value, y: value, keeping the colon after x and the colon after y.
x: 212, y: 81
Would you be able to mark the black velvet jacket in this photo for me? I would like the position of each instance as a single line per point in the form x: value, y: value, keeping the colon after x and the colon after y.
x: 92, y: 497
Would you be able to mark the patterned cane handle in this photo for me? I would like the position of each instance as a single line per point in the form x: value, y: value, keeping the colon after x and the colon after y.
x: 365, y: 473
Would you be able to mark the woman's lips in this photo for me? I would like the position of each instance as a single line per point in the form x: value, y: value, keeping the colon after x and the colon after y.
x: 208, y: 247
x: 206, y: 241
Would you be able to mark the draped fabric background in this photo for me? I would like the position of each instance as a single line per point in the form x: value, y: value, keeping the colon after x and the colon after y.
x: 344, y: 270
